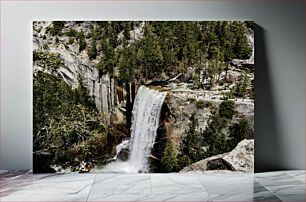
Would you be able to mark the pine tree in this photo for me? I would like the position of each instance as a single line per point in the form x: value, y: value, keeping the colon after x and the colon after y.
x: 153, y: 58
x: 212, y: 71
x: 92, y: 52
x: 56, y: 28
x: 239, y: 131
x: 227, y: 109
x: 168, y: 161
x: 82, y: 42
x: 111, y: 35
x: 214, y: 138
x: 108, y: 61
x: 191, y: 144
x: 240, y: 46
x: 243, y: 85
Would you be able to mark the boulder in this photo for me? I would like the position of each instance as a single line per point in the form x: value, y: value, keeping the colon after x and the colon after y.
x: 123, y: 155
x: 240, y: 159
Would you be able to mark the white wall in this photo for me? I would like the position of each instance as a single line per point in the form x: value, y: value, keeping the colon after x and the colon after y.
x: 280, y: 67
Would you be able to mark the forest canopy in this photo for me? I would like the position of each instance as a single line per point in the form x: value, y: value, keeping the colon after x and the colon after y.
x: 166, y: 46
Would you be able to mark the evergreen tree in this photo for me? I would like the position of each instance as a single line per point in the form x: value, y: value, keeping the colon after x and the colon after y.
x: 243, y: 85
x: 111, y: 35
x: 124, y: 62
x: 140, y: 62
x: 48, y: 61
x: 127, y: 26
x: 166, y: 41
x: 81, y: 95
x: 92, y: 52
x: 82, y: 42
x: 183, y: 161
x: 168, y: 161
x: 239, y: 131
x: 71, y: 33
x: 56, y: 28
x: 108, y: 61
x: 240, y: 46
x: 153, y: 58
x: 191, y: 144
x: 212, y: 71
x: 214, y: 137
x: 227, y: 109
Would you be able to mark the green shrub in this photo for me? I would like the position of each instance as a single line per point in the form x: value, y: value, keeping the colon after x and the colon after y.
x: 71, y: 41
x: 230, y: 94
x: 48, y: 61
x: 46, y: 46
x: 227, y: 109
x: 56, y: 28
x: 71, y: 33
x: 243, y: 85
x: 200, y: 104
x: 208, y: 104
x: 241, y: 130
x: 183, y: 161
x: 191, y: 99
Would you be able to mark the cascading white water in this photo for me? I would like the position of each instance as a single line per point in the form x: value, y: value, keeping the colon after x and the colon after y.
x: 123, y: 145
x: 251, y: 43
x: 145, y: 120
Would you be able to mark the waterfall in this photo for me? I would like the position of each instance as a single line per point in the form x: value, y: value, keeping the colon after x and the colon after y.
x: 251, y: 43
x: 145, y: 120
x: 123, y: 145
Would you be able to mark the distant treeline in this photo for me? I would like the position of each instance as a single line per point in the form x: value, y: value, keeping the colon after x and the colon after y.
x: 165, y: 47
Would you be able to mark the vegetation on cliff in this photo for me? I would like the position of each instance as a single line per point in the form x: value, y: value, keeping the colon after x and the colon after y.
x: 63, y: 119
x: 197, y: 145
x: 166, y: 47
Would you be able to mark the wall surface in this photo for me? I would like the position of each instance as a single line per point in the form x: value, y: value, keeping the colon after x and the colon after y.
x: 279, y: 58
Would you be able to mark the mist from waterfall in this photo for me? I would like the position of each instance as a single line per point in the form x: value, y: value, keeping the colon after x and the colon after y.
x: 145, y: 120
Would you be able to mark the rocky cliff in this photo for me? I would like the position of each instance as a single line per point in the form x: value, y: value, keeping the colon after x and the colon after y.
x: 77, y: 65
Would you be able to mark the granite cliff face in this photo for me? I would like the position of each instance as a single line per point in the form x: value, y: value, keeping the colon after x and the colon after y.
x: 77, y: 65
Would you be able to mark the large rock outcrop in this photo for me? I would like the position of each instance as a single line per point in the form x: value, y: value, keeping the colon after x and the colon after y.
x: 240, y: 159
x: 76, y: 64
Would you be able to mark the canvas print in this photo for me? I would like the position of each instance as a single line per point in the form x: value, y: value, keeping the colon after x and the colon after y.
x: 143, y: 96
